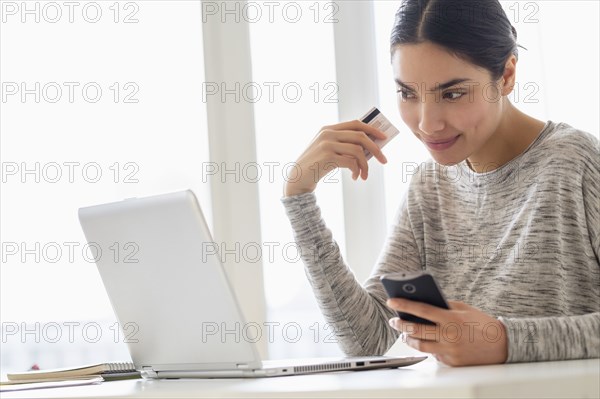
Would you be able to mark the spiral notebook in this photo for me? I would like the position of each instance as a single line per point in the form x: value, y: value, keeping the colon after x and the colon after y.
x: 108, y: 371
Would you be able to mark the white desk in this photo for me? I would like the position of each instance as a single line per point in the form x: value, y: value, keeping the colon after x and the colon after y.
x: 573, y: 378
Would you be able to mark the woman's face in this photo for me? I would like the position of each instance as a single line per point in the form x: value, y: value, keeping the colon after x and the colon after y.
x: 451, y: 105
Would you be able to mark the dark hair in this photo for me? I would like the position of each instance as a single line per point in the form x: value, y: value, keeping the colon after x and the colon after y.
x: 476, y: 30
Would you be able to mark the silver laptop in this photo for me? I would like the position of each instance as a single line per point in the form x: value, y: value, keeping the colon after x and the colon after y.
x: 170, y: 296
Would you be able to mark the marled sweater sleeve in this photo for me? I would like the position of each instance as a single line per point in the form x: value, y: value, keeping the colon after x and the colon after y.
x: 552, y: 338
x: 358, y: 314
x: 568, y: 337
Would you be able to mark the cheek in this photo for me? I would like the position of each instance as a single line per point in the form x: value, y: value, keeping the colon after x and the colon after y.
x: 409, y: 114
x: 473, y: 116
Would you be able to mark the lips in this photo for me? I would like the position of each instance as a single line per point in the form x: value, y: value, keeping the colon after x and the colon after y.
x: 439, y: 145
x: 441, y: 141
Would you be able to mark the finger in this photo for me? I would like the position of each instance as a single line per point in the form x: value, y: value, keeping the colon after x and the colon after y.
x: 357, y: 137
x: 352, y: 151
x: 355, y: 151
x: 416, y: 330
x: 349, y: 162
x: 425, y: 346
x: 440, y: 358
x: 358, y: 125
x: 457, y: 305
x: 420, y: 309
x: 363, y: 139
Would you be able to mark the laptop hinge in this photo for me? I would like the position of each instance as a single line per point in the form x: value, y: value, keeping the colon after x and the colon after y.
x: 242, y: 366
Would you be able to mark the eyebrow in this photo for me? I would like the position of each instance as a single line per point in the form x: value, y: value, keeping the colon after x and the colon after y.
x: 437, y: 87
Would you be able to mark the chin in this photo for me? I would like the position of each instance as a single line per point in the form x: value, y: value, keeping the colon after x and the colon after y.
x: 446, y: 160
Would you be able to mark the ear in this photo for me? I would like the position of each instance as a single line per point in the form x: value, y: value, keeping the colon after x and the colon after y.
x: 509, y: 76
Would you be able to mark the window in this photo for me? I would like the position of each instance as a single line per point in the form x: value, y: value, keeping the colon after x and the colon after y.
x: 297, y: 59
x: 135, y: 125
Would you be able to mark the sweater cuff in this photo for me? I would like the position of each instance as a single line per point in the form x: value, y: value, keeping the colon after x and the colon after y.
x: 525, y: 343
x: 552, y: 338
x: 512, y: 339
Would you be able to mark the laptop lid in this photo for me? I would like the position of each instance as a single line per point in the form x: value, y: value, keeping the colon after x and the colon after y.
x: 169, y: 295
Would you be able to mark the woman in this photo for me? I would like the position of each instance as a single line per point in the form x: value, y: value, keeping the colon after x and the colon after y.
x: 505, y: 216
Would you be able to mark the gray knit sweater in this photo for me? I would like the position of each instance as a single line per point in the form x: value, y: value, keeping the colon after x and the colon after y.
x: 521, y: 243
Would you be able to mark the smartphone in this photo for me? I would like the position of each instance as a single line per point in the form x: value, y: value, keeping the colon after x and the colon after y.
x: 419, y: 286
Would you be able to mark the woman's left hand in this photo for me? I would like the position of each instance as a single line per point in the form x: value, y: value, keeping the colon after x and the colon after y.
x: 462, y: 336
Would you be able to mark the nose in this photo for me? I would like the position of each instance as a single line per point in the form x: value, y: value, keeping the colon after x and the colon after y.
x: 430, y: 118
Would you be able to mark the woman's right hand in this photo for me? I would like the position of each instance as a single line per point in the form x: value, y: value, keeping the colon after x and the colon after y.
x: 337, y: 146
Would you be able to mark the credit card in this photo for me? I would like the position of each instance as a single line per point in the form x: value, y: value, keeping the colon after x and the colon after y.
x: 376, y: 119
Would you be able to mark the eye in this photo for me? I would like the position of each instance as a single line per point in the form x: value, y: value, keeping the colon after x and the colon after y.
x: 406, y: 95
x: 453, y: 95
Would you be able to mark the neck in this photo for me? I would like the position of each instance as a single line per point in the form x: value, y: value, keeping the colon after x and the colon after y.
x: 514, y: 133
